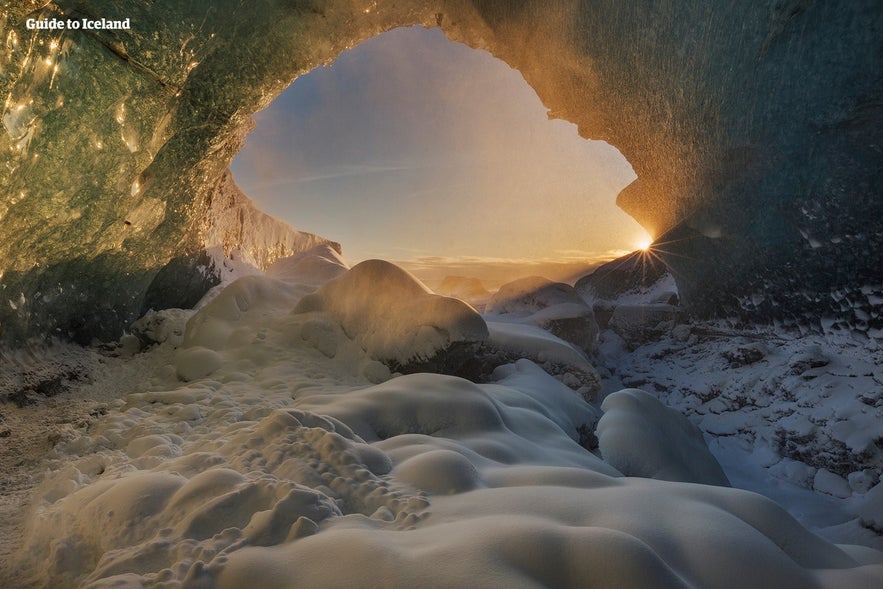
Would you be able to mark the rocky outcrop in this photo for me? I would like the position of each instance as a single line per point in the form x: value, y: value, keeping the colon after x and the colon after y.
x: 635, y: 272
x: 754, y: 129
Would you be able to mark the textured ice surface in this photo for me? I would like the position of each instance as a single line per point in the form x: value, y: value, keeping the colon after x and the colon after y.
x: 786, y: 415
x: 284, y: 466
x: 551, y: 306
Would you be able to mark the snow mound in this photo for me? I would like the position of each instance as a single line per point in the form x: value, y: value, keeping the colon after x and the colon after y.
x: 465, y: 288
x: 552, y: 306
x: 529, y: 295
x: 290, y: 458
x: 642, y: 437
x: 279, y: 478
x: 315, y: 266
x: 226, y: 319
x: 393, y: 316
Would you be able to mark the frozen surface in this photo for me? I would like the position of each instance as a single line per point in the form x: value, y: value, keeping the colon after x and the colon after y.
x: 315, y: 266
x: 799, y: 419
x: 533, y: 342
x: 528, y: 295
x: 235, y: 224
x: 271, y: 450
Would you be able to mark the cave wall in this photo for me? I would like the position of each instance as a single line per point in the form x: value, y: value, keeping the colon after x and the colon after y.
x: 754, y: 129
x: 110, y: 163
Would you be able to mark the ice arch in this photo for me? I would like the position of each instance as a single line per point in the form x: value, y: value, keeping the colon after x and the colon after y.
x: 754, y: 131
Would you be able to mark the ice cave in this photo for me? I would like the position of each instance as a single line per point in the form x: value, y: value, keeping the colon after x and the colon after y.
x: 194, y: 394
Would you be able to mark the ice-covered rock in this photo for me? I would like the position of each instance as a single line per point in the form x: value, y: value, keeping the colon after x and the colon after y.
x: 398, y: 320
x: 642, y: 437
x: 510, y: 341
x: 166, y: 325
x: 638, y: 323
x: 529, y: 295
x: 638, y: 273
x: 234, y: 223
x: 861, y: 481
x: 829, y: 483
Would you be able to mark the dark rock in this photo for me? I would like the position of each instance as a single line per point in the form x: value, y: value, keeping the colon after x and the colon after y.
x: 637, y: 270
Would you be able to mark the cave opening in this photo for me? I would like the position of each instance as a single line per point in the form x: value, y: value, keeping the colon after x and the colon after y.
x: 440, y: 157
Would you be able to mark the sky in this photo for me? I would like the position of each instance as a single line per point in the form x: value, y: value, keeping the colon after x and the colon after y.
x: 411, y: 147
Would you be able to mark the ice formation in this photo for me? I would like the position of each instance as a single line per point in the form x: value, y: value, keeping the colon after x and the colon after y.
x: 796, y: 418
x: 551, y: 306
x: 755, y: 176
x: 243, y: 232
x: 269, y: 446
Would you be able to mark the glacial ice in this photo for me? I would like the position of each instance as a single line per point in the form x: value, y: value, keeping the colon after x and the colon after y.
x: 235, y: 465
x: 115, y: 144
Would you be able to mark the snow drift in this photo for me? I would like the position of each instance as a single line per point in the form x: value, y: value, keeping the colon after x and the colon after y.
x: 272, y: 451
x: 552, y: 306
x: 642, y: 437
x: 394, y: 317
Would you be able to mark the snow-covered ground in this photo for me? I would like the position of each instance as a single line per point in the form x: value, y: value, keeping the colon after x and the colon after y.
x: 796, y: 418
x: 261, y: 442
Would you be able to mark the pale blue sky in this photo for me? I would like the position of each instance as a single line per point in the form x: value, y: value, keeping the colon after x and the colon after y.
x: 410, y: 146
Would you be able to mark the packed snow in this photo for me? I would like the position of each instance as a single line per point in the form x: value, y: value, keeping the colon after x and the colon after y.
x: 267, y: 445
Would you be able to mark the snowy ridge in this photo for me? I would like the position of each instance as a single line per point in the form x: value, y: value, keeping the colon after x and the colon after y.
x: 244, y: 232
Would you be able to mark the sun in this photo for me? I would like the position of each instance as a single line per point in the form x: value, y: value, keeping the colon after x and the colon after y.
x: 645, y: 244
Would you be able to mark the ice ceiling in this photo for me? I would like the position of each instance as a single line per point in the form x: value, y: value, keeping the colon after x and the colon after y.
x: 754, y: 131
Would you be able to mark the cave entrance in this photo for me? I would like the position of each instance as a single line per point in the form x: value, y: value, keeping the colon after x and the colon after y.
x: 440, y: 157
